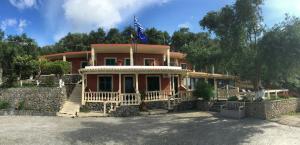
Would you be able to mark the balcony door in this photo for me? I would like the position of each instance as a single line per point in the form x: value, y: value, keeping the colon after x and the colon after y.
x: 128, y: 84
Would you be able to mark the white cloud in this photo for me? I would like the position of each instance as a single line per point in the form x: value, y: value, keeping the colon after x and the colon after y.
x: 8, y: 23
x: 274, y: 10
x: 22, y: 4
x: 185, y: 25
x: 18, y: 25
x: 22, y: 24
x: 84, y: 15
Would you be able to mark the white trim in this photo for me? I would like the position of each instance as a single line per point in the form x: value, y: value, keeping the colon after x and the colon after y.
x: 153, y: 76
x: 112, y: 82
x: 105, y: 58
x: 125, y: 61
x: 149, y: 59
x: 123, y: 81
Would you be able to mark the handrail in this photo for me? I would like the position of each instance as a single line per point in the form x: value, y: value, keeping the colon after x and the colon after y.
x: 156, y: 95
x: 101, y: 96
x: 130, y: 99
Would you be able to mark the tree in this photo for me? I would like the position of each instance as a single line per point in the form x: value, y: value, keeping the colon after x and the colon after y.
x: 238, y: 28
x: 96, y: 37
x: 157, y: 37
x: 25, y: 66
x: 181, y: 38
x: 204, y: 52
x: 113, y: 36
x: 279, y: 52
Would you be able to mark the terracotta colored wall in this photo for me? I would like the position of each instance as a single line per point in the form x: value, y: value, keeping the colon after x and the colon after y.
x: 93, y: 78
x: 138, y: 58
x: 92, y: 82
x: 189, y: 66
x: 75, y: 64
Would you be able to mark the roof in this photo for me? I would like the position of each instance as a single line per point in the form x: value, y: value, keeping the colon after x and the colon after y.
x: 210, y: 75
x: 129, y: 45
x: 72, y: 53
x: 178, y: 55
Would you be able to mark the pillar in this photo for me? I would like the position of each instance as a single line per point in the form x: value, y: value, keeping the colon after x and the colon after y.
x: 168, y: 57
x: 64, y: 58
x: 216, y: 87
x: 131, y: 56
x: 82, y: 89
x: 136, y: 83
x: 120, y: 83
x: 93, y: 56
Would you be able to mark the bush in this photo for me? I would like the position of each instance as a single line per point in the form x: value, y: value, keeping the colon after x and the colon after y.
x: 21, y: 105
x: 4, y: 104
x: 58, y: 68
x: 233, y: 98
x: 203, y: 90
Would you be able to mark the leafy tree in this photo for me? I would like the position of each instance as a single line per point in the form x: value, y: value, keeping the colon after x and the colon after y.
x: 113, y: 36
x: 25, y: 66
x: 58, y: 68
x: 238, y: 28
x: 127, y: 34
x: 97, y: 36
x: 203, y: 90
x: 181, y: 39
x: 157, y: 37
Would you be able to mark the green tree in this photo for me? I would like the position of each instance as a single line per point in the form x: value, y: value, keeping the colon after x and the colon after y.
x: 96, y: 37
x: 25, y: 66
x: 181, y: 38
x: 157, y: 37
x: 238, y: 28
x: 113, y: 36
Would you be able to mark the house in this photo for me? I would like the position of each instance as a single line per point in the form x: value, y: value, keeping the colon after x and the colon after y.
x: 127, y: 74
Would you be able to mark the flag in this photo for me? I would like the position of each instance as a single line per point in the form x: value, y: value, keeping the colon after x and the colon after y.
x: 140, y: 31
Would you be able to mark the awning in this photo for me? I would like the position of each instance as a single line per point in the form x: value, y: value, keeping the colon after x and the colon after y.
x: 132, y: 69
x: 210, y: 75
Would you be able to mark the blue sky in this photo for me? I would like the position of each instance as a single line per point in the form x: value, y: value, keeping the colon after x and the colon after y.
x: 48, y: 20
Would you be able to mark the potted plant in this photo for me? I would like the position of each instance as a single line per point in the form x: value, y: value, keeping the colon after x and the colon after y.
x: 205, y: 92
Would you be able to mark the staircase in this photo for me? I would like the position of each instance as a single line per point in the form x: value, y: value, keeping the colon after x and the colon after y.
x: 72, y: 106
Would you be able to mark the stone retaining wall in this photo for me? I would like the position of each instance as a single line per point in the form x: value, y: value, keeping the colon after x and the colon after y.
x: 41, y: 99
x: 272, y: 108
x: 26, y: 113
x: 126, y: 111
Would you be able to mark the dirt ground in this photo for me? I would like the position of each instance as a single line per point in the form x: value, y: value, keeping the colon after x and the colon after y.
x: 178, y: 128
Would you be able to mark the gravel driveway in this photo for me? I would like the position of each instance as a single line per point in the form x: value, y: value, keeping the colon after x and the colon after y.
x: 180, y: 128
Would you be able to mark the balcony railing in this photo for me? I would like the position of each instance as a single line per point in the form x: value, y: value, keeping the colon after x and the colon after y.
x: 156, y: 96
x: 101, y: 96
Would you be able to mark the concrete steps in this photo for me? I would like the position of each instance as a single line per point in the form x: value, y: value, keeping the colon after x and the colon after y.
x: 72, y: 106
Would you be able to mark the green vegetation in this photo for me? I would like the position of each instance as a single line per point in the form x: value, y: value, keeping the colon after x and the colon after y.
x: 233, y: 98
x: 4, y: 104
x: 203, y: 90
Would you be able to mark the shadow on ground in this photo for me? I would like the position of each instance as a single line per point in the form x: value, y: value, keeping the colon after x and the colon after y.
x: 184, y: 128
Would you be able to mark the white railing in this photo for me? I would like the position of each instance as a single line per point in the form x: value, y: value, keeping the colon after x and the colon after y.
x: 130, y: 99
x: 275, y: 92
x: 186, y: 95
x: 227, y: 91
x: 156, y: 96
x: 101, y: 96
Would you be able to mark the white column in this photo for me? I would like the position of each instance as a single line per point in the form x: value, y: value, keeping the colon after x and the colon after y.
x: 170, y: 84
x: 136, y: 83
x: 213, y: 69
x: 168, y: 56
x: 216, y: 87
x: 131, y: 56
x: 82, y: 89
x: 173, y: 84
x: 64, y: 58
x: 120, y: 87
x: 93, y: 56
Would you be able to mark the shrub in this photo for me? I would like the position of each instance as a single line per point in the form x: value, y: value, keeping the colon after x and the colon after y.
x: 21, y: 105
x: 58, y: 68
x: 233, y: 98
x: 203, y: 90
x: 4, y: 104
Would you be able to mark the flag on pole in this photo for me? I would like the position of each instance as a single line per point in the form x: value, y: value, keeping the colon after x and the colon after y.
x: 140, y: 31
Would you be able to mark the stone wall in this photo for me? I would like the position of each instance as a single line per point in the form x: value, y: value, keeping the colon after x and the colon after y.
x: 126, y: 111
x: 157, y: 105
x: 42, y: 99
x: 272, y: 108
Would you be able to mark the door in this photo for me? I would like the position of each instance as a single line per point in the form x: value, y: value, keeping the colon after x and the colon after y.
x: 176, y: 85
x: 128, y: 84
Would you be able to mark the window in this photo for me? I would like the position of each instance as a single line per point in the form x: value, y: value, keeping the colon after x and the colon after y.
x: 83, y: 64
x: 105, y: 83
x: 153, y: 83
x: 183, y: 66
x: 110, y: 61
x: 127, y: 61
x: 149, y: 62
